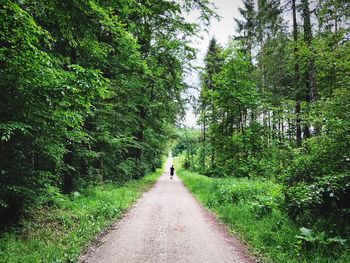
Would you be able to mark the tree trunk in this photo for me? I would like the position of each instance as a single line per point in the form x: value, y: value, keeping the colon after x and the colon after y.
x: 311, y: 70
x: 296, y: 76
x: 68, y: 157
x: 140, y: 133
x: 204, y: 144
x: 67, y: 175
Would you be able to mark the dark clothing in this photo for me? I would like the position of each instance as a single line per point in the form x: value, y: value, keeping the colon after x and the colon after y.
x: 172, y: 170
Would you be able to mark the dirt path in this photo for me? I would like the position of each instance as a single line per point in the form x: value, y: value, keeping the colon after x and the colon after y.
x: 167, y: 225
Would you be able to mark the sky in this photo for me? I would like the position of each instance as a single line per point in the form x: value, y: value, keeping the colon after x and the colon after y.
x: 221, y: 30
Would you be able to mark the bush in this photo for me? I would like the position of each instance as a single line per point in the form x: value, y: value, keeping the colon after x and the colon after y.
x: 317, y: 183
x: 326, y: 196
x: 255, y: 209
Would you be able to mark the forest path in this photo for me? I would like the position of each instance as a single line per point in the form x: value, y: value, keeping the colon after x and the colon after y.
x: 168, y: 225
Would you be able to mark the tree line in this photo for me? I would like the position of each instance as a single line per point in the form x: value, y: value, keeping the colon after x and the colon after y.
x: 89, y: 91
x: 274, y: 104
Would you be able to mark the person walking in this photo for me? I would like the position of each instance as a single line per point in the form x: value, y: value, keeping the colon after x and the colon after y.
x: 172, y: 169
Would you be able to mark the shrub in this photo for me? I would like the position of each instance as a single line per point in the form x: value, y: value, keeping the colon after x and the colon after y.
x: 326, y: 196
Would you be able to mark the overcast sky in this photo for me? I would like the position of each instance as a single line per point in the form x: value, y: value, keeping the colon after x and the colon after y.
x: 221, y: 30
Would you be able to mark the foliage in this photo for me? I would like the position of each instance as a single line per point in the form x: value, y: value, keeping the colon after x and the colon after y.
x: 89, y: 92
x: 59, y: 232
x: 254, y: 209
x: 318, y: 180
x: 307, y: 235
x: 186, y: 142
x: 274, y: 105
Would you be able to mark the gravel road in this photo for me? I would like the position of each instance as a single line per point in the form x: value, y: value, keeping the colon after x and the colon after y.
x: 167, y: 225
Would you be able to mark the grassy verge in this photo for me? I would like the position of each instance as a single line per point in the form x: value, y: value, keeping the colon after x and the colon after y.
x: 61, y: 231
x: 254, y: 210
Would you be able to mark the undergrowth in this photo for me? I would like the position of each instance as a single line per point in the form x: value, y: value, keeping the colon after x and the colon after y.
x: 62, y: 229
x: 254, y: 209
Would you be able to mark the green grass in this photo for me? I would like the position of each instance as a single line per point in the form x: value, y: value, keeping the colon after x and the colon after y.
x: 253, y: 209
x: 59, y: 232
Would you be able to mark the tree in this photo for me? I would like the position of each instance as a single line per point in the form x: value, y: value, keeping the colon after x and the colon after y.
x: 89, y: 91
x: 296, y: 76
x: 208, y: 113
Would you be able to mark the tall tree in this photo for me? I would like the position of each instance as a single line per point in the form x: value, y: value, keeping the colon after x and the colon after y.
x: 89, y: 91
x: 296, y: 76
x: 207, y: 108
x: 311, y: 70
x: 246, y: 27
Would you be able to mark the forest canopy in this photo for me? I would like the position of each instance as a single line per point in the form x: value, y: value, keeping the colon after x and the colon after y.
x: 275, y: 105
x: 89, y: 92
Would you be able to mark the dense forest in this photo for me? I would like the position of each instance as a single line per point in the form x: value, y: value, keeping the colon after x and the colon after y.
x: 275, y: 106
x: 89, y: 92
